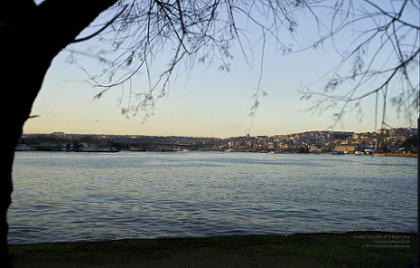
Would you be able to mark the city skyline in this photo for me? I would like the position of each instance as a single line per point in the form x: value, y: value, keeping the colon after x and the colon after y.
x: 401, y: 141
x: 384, y: 130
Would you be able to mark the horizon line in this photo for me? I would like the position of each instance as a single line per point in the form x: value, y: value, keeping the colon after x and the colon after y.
x: 186, y: 136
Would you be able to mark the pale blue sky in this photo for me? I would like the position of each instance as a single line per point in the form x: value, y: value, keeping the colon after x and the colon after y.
x: 204, y: 102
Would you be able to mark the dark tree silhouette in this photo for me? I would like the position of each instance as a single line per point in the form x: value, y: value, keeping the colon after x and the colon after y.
x: 31, y: 36
x: 191, y: 31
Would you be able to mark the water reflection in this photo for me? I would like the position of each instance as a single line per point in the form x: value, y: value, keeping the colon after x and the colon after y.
x: 83, y: 196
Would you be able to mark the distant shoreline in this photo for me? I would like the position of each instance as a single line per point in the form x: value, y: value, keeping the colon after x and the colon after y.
x: 410, y: 155
x: 398, y: 141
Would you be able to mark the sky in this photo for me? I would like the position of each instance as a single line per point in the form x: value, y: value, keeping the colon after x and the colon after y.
x: 203, y: 101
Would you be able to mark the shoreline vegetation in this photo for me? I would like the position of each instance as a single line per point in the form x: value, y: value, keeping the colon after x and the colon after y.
x: 351, y: 249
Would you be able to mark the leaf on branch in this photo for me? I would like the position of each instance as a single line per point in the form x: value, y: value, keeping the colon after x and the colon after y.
x: 225, y: 67
x: 98, y: 96
x: 130, y: 59
x: 332, y: 84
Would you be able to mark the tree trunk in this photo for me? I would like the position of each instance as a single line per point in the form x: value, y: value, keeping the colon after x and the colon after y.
x: 31, y: 36
x: 21, y: 80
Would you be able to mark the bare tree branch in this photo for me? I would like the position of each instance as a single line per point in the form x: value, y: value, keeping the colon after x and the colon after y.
x: 199, y: 31
x: 394, y: 41
x: 381, y: 55
x: 101, y: 29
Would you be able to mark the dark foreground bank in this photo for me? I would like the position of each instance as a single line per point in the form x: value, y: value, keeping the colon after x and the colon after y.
x: 354, y: 249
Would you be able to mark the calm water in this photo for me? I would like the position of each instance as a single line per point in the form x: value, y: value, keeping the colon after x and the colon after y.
x: 62, y: 196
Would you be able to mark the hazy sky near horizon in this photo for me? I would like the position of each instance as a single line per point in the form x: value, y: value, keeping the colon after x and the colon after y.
x: 204, y: 101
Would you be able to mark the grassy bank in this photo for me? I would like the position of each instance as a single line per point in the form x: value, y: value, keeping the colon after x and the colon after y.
x: 355, y: 249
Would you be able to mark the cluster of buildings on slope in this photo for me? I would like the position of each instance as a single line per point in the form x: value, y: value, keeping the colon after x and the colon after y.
x: 401, y: 140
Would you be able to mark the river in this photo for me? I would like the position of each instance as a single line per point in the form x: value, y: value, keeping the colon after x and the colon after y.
x: 67, y: 196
